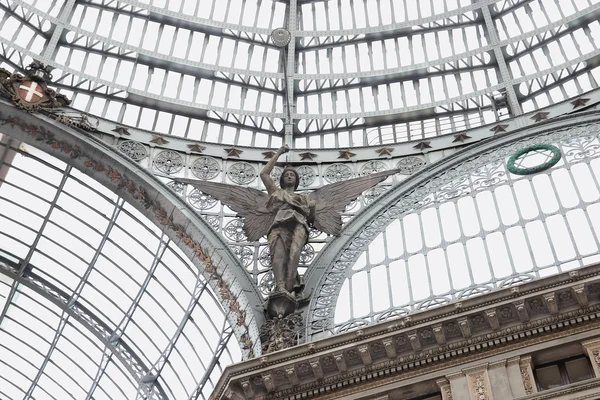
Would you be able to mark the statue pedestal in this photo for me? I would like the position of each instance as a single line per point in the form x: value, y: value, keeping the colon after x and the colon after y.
x: 281, y: 304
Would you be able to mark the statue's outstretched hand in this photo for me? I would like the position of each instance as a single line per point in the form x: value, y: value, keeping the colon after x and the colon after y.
x: 284, y: 149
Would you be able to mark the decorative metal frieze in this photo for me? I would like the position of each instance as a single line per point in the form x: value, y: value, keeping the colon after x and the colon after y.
x: 337, y: 173
x: 307, y: 254
x: 168, y: 162
x: 481, y: 172
x: 267, y: 283
x: 31, y: 92
x: 550, y: 153
x: 410, y: 165
x: 372, y: 194
x: 132, y: 149
x: 214, y: 222
x: 307, y: 175
x: 244, y: 254
x: 201, y: 201
x: 205, y: 168
x: 242, y: 173
x: 177, y: 187
x: 265, y: 257
x: 234, y: 230
x: 373, y: 167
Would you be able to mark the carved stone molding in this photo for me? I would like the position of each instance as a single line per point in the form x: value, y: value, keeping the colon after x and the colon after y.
x: 592, y: 347
x: 527, y: 375
x: 444, y: 385
x: 390, y: 353
x: 479, y: 383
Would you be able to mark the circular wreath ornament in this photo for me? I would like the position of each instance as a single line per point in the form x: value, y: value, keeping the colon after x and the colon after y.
x: 551, y: 153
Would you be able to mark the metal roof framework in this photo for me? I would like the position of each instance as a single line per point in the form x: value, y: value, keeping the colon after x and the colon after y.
x: 367, y: 73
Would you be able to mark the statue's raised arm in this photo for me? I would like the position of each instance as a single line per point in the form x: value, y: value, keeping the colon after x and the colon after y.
x: 265, y: 174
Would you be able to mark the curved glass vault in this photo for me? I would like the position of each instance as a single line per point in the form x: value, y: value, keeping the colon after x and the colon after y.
x: 96, y: 302
x: 469, y: 229
x: 94, y: 298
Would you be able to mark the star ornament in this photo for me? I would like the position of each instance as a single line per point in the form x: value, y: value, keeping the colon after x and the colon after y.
x: 461, y: 137
x: 121, y: 130
x: 268, y: 154
x: 386, y: 151
x: 159, y: 140
x: 196, y: 148
x: 346, y: 154
x: 580, y: 102
x: 499, y: 128
x: 307, y: 156
x: 540, y: 116
x: 422, y: 146
x: 233, y: 152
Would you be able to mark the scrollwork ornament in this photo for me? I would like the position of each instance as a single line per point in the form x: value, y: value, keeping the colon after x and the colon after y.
x: 242, y: 173
x: 168, y: 162
x: 244, y: 254
x: 479, y: 387
x: 132, y: 149
x: 526, y: 380
x: 177, y: 187
x: 201, y: 201
x: 267, y: 283
x: 205, y: 168
x: 307, y: 254
x: 372, y: 194
x: 373, y: 167
x: 234, y: 230
x: 264, y: 257
x: 307, y: 175
x: 337, y: 173
x: 213, y: 221
x: 410, y: 165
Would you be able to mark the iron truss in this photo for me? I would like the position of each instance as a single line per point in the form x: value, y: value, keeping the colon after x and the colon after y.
x: 365, y: 74
x: 182, y: 70
x: 96, y: 301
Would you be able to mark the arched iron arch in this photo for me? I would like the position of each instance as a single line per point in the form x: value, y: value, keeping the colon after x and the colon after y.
x: 328, y: 272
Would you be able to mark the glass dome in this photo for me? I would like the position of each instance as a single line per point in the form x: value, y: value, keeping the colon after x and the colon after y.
x: 183, y: 87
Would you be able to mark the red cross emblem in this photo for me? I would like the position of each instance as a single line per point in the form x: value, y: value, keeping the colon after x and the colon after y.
x: 31, y: 91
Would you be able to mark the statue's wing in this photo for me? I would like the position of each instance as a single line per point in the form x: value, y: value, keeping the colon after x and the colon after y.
x: 247, y: 202
x: 332, y: 199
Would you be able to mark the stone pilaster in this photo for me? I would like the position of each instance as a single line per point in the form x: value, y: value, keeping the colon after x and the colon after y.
x: 458, y: 386
x: 444, y: 385
x: 592, y: 347
x: 499, y: 380
x: 527, y: 375
x: 513, y: 370
x: 478, y: 381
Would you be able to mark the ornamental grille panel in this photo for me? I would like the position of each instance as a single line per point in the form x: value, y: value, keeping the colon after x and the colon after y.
x: 469, y: 230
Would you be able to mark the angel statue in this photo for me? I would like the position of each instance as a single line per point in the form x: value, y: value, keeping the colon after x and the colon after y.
x: 285, y: 216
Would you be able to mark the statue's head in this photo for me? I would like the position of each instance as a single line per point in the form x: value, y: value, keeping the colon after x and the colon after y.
x: 289, y: 177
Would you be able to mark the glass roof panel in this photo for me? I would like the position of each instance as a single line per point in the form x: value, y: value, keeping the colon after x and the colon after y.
x: 80, y: 244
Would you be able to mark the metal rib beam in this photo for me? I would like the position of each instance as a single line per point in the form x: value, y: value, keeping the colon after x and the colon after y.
x: 76, y: 293
x: 89, y: 320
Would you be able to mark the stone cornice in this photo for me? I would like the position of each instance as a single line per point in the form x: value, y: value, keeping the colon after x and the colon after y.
x: 344, y: 367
